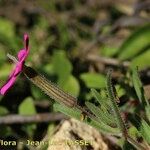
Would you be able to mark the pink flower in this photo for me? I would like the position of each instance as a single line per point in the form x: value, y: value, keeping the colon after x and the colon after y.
x: 22, y: 55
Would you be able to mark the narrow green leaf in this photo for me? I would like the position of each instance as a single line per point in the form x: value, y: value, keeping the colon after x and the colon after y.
x: 135, y: 43
x: 71, y: 112
x: 142, y: 60
x: 104, y: 128
x: 142, y: 126
x: 137, y: 84
x: 147, y: 109
x: 138, y: 87
x: 102, y: 101
x: 145, y: 130
x: 102, y: 116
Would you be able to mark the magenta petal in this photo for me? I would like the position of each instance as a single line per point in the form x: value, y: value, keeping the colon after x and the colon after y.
x: 26, y: 37
x: 18, y: 68
x: 26, y: 40
x: 22, y: 54
x: 7, y: 86
x: 12, y: 79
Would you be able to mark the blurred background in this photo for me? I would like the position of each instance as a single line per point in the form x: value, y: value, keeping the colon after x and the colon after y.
x: 72, y: 43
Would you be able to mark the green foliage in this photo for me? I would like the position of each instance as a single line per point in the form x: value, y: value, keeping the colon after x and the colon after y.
x: 36, y: 93
x: 140, y: 92
x: 6, y: 70
x: 101, y: 99
x: 133, y: 132
x: 141, y: 60
x: 72, y: 86
x: 7, y: 27
x: 76, y: 113
x: 102, y: 115
x: 3, y: 111
x: 120, y: 90
x: 6, y: 131
x: 135, y: 44
x: 144, y: 127
x: 62, y: 36
x: 7, y: 34
x: 108, y: 51
x: 27, y: 107
x: 2, y: 57
x: 101, y: 124
x: 61, y: 66
x: 147, y: 112
x: 104, y: 128
x: 105, y: 121
x: 93, y: 80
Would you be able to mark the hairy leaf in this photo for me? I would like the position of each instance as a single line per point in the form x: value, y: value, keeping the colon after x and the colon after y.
x: 71, y: 112
x: 104, y: 128
x: 102, y: 116
x: 102, y: 101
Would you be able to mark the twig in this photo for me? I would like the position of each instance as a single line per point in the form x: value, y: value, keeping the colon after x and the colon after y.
x: 141, y: 6
x: 107, y: 61
x: 37, y: 118
x: 44, y: 103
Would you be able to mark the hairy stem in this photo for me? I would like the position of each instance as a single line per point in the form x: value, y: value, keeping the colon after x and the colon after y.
x: 116, y: 110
